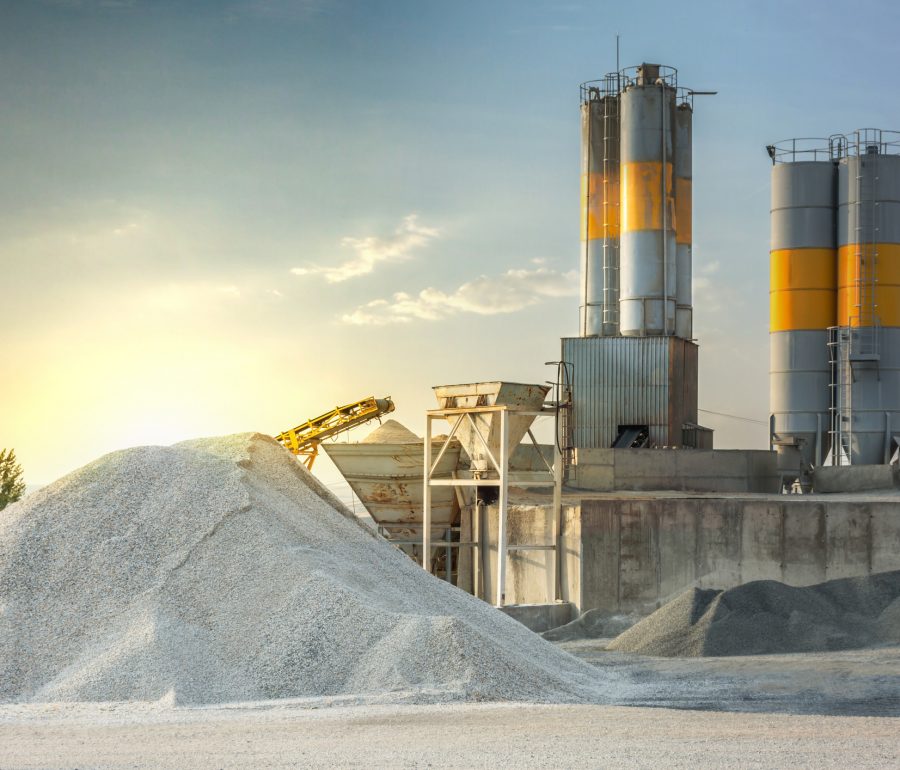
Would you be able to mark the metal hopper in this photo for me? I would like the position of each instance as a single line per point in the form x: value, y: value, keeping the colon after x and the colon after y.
x: 387, y: 478
x: 484, y: 427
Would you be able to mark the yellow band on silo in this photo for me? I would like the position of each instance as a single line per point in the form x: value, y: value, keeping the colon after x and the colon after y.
x: 599, y: 207
x: 642, y: 197
x: 798, y: 309
x: 683, y: 209
x: 802, y: 285
x: 791, y: 269
x: 856, y: 284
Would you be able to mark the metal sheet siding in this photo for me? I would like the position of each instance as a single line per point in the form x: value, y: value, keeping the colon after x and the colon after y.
x: 618, y: 381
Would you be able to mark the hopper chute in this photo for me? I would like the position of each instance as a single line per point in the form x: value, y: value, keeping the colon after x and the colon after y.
x: 479, y: 432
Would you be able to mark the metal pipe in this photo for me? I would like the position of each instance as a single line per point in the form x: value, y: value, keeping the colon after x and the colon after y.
x: 665, y: 208
x: 557, y: 521
x: 504, y: 496
x: 426, y: 498
x: 448, y: 557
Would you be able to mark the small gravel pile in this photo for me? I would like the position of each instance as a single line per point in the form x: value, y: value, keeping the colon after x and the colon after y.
x: 592, y: 624
x: 219, y: 570
x: 767, y: 617
x: 391, y: 432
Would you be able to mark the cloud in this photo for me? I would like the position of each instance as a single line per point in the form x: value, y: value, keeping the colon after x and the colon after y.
x: 371, y: 250
x: 709, y: 292
x: 486, y: 295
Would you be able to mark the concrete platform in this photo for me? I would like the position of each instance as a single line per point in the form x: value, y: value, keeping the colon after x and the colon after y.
x: 687, y: 470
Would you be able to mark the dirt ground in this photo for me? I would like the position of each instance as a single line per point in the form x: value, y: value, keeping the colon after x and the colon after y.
x: 444, y: 736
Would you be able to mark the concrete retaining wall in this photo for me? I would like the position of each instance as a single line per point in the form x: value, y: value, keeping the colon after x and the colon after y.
x: 686, y: 470
x: 855, y: 478
x: 638, y: 554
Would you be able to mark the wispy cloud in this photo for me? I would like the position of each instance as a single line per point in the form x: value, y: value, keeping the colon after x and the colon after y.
x: 371, y: 250
x: 708, y: 291
x: 486, y: 295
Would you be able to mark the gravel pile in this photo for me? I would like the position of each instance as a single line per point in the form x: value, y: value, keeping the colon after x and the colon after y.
x: 391, y: 432
x: 766, y: 617
x: 219, y: 570
x: 592, y: 624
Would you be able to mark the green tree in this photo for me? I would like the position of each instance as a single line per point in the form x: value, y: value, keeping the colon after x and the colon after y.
x: 12, y: 485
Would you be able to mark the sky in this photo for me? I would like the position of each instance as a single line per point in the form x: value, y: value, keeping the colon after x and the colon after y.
x: 232, y: 216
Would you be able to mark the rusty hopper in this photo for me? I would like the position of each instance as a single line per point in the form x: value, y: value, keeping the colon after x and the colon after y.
x: 484, y: 428
x: 387, y: 478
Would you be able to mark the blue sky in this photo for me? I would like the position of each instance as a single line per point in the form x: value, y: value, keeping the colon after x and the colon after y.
x: 235, y: 215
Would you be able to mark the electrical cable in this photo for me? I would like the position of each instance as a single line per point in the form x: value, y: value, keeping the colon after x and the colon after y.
x: 734, y: 416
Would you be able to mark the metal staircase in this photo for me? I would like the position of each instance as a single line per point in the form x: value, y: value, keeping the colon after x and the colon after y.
x: 858, y: 344
x: 864, y: 343
x: 841, y: 385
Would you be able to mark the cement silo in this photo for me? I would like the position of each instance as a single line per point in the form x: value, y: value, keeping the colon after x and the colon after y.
x: 647, y: 264
x: 600, y: 207
x: 802, y: 299
x: 866, y: 344
x: 633, y: 369
x: 684, y: 311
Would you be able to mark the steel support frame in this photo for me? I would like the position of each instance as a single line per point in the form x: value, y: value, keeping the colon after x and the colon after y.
x: 504, y: 477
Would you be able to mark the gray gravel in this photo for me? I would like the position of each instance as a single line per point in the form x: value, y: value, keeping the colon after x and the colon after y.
x: 765, y: 616
x: 218, y: 570
x: 463, y: 736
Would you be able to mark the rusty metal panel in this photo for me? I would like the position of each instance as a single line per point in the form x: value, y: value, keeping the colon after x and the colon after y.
x: 387, y: 478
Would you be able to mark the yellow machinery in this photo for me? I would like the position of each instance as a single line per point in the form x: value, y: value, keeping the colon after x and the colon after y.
x: 304, y: 440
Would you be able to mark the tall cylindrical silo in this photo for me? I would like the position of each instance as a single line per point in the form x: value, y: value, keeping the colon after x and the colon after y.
x: 599, y: 211
x: 803, y: 265
x: 868, y: 370
x: 647, y: 263
x: 684, y: 311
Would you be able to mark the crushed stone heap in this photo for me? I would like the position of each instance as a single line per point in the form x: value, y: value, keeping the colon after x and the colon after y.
x: 768, y: 617
x: 219, y: 570
x: 392, y: 432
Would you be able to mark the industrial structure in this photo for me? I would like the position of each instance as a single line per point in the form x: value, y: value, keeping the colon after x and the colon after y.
x: 835, y: 302
x: 305, y: 439
x: 630, y: 504
x: 634, y: 366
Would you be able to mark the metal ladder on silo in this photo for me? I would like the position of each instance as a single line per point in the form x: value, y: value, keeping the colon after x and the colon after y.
x: 865, y: 339
x: 610, y: 309
x: 839, y: 342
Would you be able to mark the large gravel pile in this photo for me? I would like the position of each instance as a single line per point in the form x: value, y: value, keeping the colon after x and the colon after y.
x: 219, y: 570
x: 765, y: 617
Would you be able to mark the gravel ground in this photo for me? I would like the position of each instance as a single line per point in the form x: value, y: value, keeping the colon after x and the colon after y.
x: 847, y: 683
x: 469, y: 735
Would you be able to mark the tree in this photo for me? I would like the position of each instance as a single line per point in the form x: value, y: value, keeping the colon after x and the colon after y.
x: 12, y: 486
